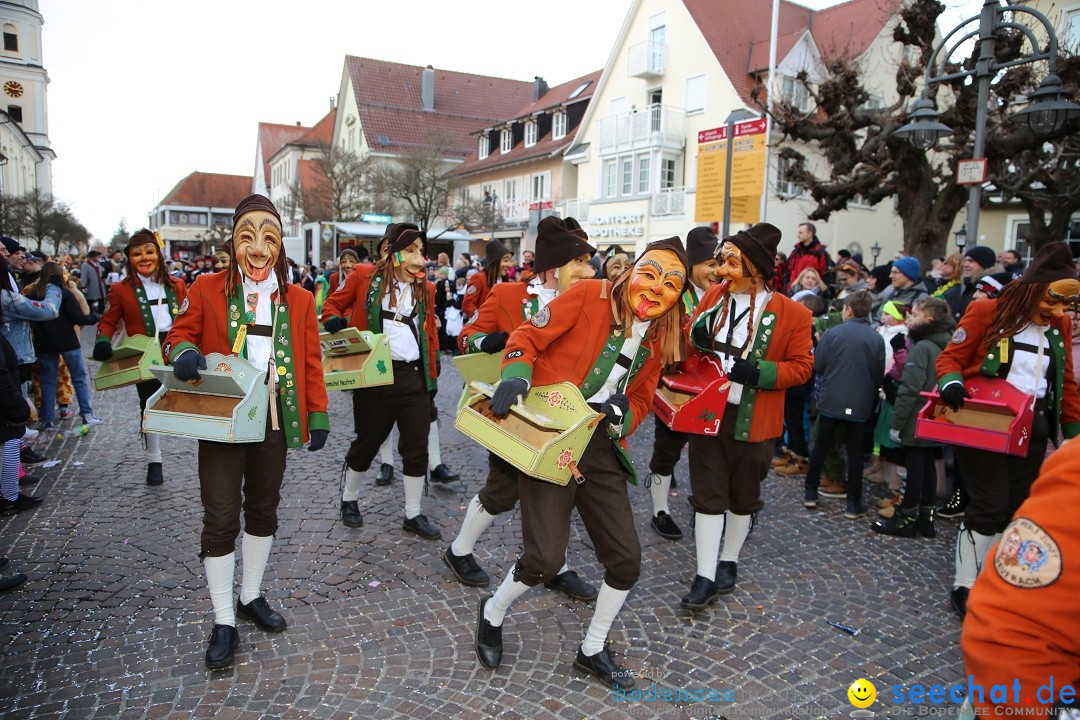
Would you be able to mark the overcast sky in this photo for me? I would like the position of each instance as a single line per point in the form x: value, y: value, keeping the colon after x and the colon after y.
x: 143, y: 92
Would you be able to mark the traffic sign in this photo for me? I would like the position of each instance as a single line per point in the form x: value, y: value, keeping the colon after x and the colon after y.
x: 373, y: 218
x: 971, y: 172
x: 327, y: 233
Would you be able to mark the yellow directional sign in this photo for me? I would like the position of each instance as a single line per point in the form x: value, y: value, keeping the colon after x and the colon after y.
x: 747, y: 172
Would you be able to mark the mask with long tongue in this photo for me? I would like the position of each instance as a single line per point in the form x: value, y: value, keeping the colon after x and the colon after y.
x: 657, y: 281
x: 410, y: 265
x: 257, y: 244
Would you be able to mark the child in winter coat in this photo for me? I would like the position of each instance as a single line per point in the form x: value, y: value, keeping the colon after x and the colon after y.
x: 890, y: 454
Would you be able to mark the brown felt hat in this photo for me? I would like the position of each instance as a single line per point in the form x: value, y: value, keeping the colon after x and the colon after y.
x: 141, y: 237
x: 1053, y: 262
x: 255, y: 202
x: 557, y: 244
x: 701, y: 245
x: 575, y: 229
x: 758, y: 245
x: 494, y: 252
x: 402, y: 235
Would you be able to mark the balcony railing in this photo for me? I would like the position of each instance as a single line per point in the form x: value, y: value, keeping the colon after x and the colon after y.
x: 577, y: 209
x: 671, y: 201
x: 646, y: 59
x: 655, y: 126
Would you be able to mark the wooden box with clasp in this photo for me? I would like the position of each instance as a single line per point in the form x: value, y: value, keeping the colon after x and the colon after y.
x: 997, y: 417
x: 227, y: 404
x: 692, y: 398
x: 543, y: 436
x: 355, y: 358
x: 130, y: 363
x: 478, y: 367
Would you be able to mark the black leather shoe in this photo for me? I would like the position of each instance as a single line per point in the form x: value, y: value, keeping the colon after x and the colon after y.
x: 702, y: 594
x: 958, y: 599
x: 4, y: 562
x: 222, y: 649
x: 809, y: 499
x: 259, y: 612
x: 488, y: 639
x: 21, y: 502
x: 726, y: 572
x: 385, y: 476
x: 954, y: 508
x: 350, y: 514
x: 11, y: 582
x: 665, y: 527
x: 569, y: 583
x: 441, y: 475
x: 29, y: 480
x: 154, y: 475
x: 420, y: 526
x: 602, y: 666
x: 466, y: 569
x: 29, y: 456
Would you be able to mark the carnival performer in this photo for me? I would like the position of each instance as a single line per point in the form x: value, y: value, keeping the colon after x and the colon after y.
x: 1024, y: 338
x: 395, y: 299
x: 610, y: 340
x: 763, y: 340
x: 667, y: 444
x: 499, y: 262
x: 561, y: 259
x: 252, y: 311
x: 144, y: 303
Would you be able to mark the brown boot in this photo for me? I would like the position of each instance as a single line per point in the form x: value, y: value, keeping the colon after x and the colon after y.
x: 832, y: 489
x: 783, y: 458
x: 797, y: 466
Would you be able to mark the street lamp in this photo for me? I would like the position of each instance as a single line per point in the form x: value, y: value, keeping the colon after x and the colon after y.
x: 961, y: 238
x: 875, y: 250
x: 1048, y: 107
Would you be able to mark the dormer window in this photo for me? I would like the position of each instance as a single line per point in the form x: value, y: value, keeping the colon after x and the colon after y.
x: 506, y: 140
x: 558, y: 125
x: 484, y: 147
x: 530, y: 133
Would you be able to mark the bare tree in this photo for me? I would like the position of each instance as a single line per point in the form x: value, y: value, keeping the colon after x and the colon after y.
x: 419, y: 179
x: 478, y: 215
x: 340, y: 189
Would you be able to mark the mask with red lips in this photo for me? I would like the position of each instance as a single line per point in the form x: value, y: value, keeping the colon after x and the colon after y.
x: 144, y: 259
x: 257, y: 244
x: 657, y: 281
x: 410, y: 265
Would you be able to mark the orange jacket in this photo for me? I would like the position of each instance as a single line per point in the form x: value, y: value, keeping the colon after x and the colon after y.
x: 350, y: 302
x: 503, y: 311
x: 204, y: 325
x: 123, y: 307
x: 961, y: 359
x: 476, y: 292
x: 567, y: 339
x: 783, y: 352
x: 1022, y: 622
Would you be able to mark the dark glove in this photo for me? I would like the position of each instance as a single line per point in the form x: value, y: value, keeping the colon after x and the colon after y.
x: 187, y: 366
x: 954, y: 394
x: 700, y: 336
x: 494, y: 342
x: 890, y: 387
x: 744, y: 372
x: 318, y: 439
x: 102, y: 351
x: 898, y: 342
x: 93, y: 318
x: 615, y: 419
x: 334, y: 325
x: 507, y: 393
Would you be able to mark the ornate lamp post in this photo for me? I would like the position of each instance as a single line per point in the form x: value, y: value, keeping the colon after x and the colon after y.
x: 875, y: 250
x: 961, y: 238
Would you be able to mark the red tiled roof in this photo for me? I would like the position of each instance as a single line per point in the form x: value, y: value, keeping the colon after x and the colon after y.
x: 322, y: 133
x: 201, y: 189
x: 272, y: 137
x: 733, y: 28
x: 544, y: 146
x: 388, y: 100
x: 759, y: 51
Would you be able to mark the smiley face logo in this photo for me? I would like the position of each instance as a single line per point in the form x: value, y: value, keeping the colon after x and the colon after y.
x: 862, y: 693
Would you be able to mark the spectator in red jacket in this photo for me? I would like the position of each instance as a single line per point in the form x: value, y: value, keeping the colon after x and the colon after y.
x: 808, y: 253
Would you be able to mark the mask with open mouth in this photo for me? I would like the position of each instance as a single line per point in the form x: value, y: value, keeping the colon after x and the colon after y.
x: 257, y: 244
x: 409, y: 263
x: 736, y: 268
x: 1060, y: 296
x: 144, y: 258
x: 657, y: 281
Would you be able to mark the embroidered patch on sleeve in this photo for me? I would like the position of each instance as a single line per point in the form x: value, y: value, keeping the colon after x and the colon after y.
x: 1027, y: 557
x: 959, y: 336
x: 167, y: 349
x: 471, y: 290
x: 542, y: 318
x: 183, y: 307
x: 514, y: 354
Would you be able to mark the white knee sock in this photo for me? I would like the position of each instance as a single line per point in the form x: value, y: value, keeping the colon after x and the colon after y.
x: 153, y: 448
x: 352, y: 485
x: 509, y: 591
x: 219, y: 579
x: 971, y: 549
x: 659, y: 489
x: 476, y: 521
x: 707, y: 532
x: 256, y: 551
x: 434, y: 452
x: 386, y: 450
x: 414, y: 490
x: 608, y: 604
x: 738, y: 527
x: 566, y: 564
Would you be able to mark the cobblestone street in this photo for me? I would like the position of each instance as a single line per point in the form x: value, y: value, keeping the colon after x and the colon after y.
x: 113, y: 620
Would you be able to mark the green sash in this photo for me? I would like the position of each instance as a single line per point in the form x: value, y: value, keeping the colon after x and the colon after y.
x: 374, y: 322
x: 144, y: 305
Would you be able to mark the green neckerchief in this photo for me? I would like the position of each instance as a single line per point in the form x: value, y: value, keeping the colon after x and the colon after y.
x: 374, y: 322
x: 529, y: 307
x: 690, y: 300
x: 283, y: 360
x: 144, y: 304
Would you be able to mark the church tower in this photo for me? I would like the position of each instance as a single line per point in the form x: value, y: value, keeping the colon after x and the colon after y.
x: 23, y: 84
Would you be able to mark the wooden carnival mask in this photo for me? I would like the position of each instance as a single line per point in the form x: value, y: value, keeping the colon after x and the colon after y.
x: 577, y: 269
x: 734, y: 266
x: 410, y: 265
x: 257, y: 244
x: 144, y: 259
x: 657, y: 281
x: 1060, y: 296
